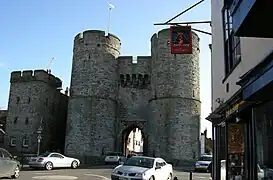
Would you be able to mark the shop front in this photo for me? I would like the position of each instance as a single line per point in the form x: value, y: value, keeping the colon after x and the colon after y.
x: 243, y: 129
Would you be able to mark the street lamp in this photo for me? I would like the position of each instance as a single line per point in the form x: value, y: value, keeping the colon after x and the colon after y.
x: 39, y: 137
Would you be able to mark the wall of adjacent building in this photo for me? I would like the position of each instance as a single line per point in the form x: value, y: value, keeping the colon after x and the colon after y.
x: 253, y: 50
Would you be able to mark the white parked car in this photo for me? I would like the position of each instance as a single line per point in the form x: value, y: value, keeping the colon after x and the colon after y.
x: 53, y: 160
x: 114, y: 157
x: 142, y: 167
x: 203, y: 163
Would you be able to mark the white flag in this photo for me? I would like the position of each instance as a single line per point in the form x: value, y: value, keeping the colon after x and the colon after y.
x: 111, y: 6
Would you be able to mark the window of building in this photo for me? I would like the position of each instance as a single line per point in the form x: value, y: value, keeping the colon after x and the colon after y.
x: 28, y: 100
x: 17, y: 100
x: 12, y: 141
x: 15, y: 120
x: 232, y: 45
x: 25, y: 142
x: 27, y: 121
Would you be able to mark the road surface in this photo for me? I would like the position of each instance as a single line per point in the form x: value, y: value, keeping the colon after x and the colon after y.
x: 94, y: 173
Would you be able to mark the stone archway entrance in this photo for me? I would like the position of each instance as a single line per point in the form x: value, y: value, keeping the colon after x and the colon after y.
x: 125, y: 132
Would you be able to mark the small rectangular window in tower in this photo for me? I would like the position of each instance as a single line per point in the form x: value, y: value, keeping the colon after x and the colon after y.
x: 46, y: 102
x: 28, y: 100
x: 17, y: 100
x: 13, y: 141
x: 227, y: 87
x: 25, y: 142
x: 15, y: 120
x: 193, y: 95
x: 27, y: 121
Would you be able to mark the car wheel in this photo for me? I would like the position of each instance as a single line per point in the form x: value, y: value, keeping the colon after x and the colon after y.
x: 74, y: 164
x: 16, y: 173
x: 170, y: 177
x: 49, y: 166
x: 152, y: 178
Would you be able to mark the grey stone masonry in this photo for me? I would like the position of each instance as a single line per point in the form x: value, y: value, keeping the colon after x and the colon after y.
x: 92, y: 106
x: 175, y: 105
x: 32, y: 103
x: 111, y: 95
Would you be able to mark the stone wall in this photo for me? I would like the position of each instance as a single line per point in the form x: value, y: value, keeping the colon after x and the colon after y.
x: 32, y: 103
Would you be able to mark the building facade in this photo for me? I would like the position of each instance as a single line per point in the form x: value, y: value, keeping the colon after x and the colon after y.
x: 110, y: 95
x: 36, y: 110
x: 242, y: 77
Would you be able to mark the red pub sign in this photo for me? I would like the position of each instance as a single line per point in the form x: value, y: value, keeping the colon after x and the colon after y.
x: 181, y: 40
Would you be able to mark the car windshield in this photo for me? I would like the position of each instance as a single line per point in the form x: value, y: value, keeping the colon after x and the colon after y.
x: 44, y: 155
x: 205, y: 158
x: 114, y: 154
x: 140, y: 162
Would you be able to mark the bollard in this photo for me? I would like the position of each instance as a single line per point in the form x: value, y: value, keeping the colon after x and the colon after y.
x: 190, y: 175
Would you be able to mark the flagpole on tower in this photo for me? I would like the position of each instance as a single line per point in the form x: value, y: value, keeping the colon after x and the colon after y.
x: 111, y: 6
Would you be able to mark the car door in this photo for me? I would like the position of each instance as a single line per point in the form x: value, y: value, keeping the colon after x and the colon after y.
x: 58, y: 160
x: 164, y: 170
x: 158, y: 171
x: 9, y: 163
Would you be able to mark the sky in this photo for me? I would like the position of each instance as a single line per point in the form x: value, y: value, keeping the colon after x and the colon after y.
x: 32, y: 32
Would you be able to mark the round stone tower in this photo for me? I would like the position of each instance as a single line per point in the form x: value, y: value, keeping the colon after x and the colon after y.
x: 91, y: 122
x: 176, y: 102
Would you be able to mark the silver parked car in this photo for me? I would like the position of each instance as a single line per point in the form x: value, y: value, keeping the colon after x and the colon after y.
x: 114, y: 157
x: 52, y: 160
x: 9, y: 167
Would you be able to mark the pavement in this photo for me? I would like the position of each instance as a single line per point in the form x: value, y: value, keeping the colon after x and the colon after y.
x: 91, y: 173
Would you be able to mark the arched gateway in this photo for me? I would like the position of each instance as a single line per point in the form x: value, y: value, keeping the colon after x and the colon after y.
x: 127, y: 128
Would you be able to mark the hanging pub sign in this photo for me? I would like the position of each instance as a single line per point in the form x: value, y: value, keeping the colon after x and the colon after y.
x: 181, y: 40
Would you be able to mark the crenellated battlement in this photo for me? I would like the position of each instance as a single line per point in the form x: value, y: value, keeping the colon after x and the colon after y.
x: 36, y: 75
x: 127, y: 66
x: 97, y: 39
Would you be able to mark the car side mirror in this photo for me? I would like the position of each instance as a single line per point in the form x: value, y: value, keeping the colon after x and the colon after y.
x: 157, y: 167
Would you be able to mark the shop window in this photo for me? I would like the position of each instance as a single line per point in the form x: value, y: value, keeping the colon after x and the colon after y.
x: 236, y: 151
x: 232, y: 45
x: 264, y: 141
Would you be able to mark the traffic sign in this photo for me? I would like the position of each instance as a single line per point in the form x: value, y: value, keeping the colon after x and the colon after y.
x: 39, y: 130
x: 39, y: 137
